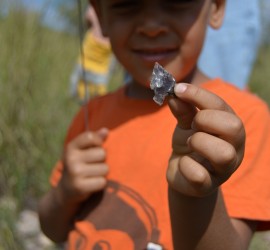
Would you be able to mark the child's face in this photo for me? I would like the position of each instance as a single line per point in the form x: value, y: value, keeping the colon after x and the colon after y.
x: 170, y: 32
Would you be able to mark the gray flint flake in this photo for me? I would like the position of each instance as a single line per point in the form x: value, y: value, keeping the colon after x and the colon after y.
x: 162, y: 83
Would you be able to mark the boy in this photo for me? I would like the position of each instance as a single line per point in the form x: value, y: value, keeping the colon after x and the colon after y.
x: 110, y: 190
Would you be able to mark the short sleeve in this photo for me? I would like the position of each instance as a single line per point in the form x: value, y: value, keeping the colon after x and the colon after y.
x: 56, y: 173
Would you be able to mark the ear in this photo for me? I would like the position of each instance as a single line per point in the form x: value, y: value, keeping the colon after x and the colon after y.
x: 217, y: 13
x: 97, y: 5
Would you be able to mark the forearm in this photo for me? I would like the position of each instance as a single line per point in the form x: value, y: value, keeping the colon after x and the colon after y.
x: 202, y: 223
x: 56, y: 215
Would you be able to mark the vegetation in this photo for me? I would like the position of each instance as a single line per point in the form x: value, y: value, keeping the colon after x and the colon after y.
x: 36, y: 109
x: 259, y: 81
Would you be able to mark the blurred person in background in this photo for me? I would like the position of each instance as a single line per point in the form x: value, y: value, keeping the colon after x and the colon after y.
x: 94, y: 67
x: 230, y: 52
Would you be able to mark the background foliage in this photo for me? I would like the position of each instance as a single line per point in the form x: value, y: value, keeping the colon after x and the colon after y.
x: 35, y: 109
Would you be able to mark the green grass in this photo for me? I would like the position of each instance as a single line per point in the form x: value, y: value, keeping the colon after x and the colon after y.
x: 36, y: 109
x: 260, y: 242
x: 259, y: 81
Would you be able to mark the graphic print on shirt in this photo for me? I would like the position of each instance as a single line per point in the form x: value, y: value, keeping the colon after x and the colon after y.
x: 115, y: 218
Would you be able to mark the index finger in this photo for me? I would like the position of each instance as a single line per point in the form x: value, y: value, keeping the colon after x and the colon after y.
x: 89, y: 139
x: 200, y: 98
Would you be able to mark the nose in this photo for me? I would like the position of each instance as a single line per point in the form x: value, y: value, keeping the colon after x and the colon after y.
x: 152, y: 23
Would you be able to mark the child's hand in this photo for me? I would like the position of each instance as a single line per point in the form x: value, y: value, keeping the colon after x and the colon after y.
x: 208, y: 141
x: 84, y: 166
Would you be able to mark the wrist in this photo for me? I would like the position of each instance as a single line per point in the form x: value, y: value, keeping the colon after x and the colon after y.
x: 176, y: 195
x: 63, y: 198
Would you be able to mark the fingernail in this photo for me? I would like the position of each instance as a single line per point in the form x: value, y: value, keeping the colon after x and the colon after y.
x: 103, y: 132
x: 180, y: 88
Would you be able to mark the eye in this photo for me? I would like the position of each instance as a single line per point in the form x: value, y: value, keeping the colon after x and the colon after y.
x: 124, y: 5
x: 181, y: 3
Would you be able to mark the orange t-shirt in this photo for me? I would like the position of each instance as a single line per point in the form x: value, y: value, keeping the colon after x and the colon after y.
x: 133, y: 210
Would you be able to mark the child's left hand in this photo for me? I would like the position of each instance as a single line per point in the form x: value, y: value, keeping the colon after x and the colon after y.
x: 208, y: 141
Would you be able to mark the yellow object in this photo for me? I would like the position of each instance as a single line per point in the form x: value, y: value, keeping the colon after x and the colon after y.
x: 94, y: 70
x: 92, y: 89
x: 97, y: 54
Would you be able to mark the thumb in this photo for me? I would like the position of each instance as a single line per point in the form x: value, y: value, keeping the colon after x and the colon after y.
x: 183, y: 111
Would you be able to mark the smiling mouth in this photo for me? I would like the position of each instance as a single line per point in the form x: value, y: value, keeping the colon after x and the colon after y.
x: 156, y: 54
